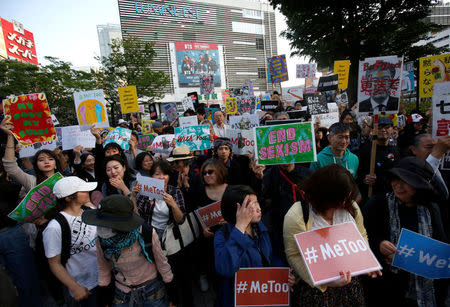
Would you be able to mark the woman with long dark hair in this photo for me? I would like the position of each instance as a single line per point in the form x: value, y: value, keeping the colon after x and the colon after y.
x: 143, y: 163
x: 120, y: 177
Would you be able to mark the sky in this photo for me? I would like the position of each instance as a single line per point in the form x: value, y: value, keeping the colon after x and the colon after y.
x: 68, y: 29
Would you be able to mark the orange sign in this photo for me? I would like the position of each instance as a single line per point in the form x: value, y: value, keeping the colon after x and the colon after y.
x: 331, y: 250
x: 262, y: 287
x: 210, y: 215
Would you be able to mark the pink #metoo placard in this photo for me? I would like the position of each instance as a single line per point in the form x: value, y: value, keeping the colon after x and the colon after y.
x: 330, y: 250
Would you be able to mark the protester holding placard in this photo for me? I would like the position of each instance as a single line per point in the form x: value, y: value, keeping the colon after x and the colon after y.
x: 330, y: 200
x: 120, y: 177
x: 220, y: 126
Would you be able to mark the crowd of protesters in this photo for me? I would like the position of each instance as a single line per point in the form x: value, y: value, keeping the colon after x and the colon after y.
x: 102, y: 245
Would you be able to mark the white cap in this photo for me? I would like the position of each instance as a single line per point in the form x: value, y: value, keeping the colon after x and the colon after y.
x: 70, y: 185
x: 122, y: 121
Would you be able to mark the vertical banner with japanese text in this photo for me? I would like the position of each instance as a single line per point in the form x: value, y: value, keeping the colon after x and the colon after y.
x: 441, y: 109
x: 433, y: 69
x: 342, y: 68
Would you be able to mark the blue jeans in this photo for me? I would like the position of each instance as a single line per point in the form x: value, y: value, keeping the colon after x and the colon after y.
x: 152, y: 295
x: 17, y: 256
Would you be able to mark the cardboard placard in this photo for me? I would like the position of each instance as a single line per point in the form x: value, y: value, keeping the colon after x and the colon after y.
x: 246, y: 104
x: 72, y: 136
x: 151, y: 187
x: 206, y: 84
x: 152, y: 111
x: 31, y: 150
x: 306, y: 70
x: 90, y: 107
x: 317, y: 104
x: 328, y: 83
x: 187, y: 104
x: 128, y: 99
x: 170, y: 110
x: 327, y: 119
x: 269, y: 105
x: 433, y: 69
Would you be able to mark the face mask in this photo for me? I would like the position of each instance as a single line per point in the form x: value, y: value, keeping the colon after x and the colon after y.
x: 105, y: 233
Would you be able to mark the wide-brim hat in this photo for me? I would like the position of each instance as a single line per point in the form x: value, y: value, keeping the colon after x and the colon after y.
x: 180, y: 153
x: 415, y: 172
x: 116, y: 212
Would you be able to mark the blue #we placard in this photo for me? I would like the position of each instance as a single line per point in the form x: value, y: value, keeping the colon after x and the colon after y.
x: 422, y: 255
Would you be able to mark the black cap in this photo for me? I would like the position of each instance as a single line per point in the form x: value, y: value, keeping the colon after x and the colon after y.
x: 415, y: 172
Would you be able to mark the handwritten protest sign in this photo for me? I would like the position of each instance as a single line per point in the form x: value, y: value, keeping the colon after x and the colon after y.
x: 292, y: 94
x: 193, y: 137
x: 422, y: 255
x: 317, y: 104
x: 170, y: 110
x: 210, y: 215
x: 151, y: 187
x: 327, y: 119
x: 187, y: 103
x: 244, y: 122
x: 262, y: 287
x: 328, y: 83
x: 147, y: 126
x: 306, y: 71
x: 72, y: 136
x: 145, y: 140
x: 210, y: 114
x: 231, y: 105
x: 91, y: 109
x: 379, y: 84
x: 188, y: 121
x: 119, y: 136
x: 243, y: 141
x: 441, y: 109
x: 278, y: 68
x: 269, y: 105
x: 163, y: 144
x: 128, y: 99
x: 289, y: 143
x: 330, y: 250
x: 433, y: 69
x: 37, y: 202
x: 342, y: 68
x: 55, y: 120
x: 31, y: 118
x: 30, y: 150
x: 246, y: 104
x: 206, y: 84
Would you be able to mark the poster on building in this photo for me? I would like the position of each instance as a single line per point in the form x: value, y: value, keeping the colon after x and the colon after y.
x: 330, y: 250
x: 433, y: 69
x: 278, y: 68
x: 170, y: 111
x: 193, y: 137
x: 246, y: 104
x: 31, y: 118
x: 90, y: 107
x: 441, y: 109
x: 206, y: 84
x: 244, y: 122
x: 286, y: 143
x: 328, y: 83
x: 231, y: 105
x: 128, y: 99
x: 195, y: 59
x: 317, y: 104
x: 306, y: 70
x: 379, y: 84
x: 19, y: 43
x: 342, y: 68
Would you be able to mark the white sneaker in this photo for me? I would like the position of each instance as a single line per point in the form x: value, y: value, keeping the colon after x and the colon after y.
x: 204, y: 286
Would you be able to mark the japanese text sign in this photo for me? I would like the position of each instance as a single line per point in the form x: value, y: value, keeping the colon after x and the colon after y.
x: 145, y: 140
x: 278, y: 69
x: 317, y: 104
x: 441, y: 109
x: 90, y: 107
x: 242, y: 141
x: 231, y: 105
x: 210, y: 215
x: 37, y: 202
x: 170, y: 110
x: 287, y: 143
x: 433, y: 69
x: 128, y: 99
x: 379, y: 85
x: 72, y: 136
x: 328, y: 83
x: 193, y: 137
x: 187, y: 104
x: 163, y: 144
x: 244, y: 122
x: 19, y: 42
x: 306, y: 71
x: 119, y: 136
x: 246, y: 104
x: 262, y: 287
x: 422, y: 255
x: 206, y: 84
x: 330, y: 250
x: 31, y: 118
x: 327, y: 119
x: 151, y: 187
x: 188, y: 121
x: 342, y: 68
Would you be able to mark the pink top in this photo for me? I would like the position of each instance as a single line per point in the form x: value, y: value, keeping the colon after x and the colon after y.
x: 136, y: 268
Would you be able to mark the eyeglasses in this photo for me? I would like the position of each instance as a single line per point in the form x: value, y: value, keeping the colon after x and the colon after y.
x: 208, y: 172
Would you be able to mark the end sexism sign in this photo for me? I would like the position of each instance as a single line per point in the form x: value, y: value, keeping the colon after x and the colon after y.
x: 330, y: 250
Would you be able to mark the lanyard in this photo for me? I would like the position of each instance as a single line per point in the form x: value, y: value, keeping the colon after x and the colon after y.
x: 294, y: 187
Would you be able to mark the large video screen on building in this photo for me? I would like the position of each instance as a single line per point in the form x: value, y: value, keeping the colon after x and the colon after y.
x: 194, y: 59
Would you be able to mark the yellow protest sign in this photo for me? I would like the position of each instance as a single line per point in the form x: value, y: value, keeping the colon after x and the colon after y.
x: 231, y: 105
x: 147, y: 126
x: 433, y: 69
x: 128, y: 99
x: 342, y: 68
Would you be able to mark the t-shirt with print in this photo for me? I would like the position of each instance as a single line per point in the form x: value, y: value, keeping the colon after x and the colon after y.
x: 82, y: 264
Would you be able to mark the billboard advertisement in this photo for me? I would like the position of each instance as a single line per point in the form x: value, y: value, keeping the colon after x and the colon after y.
x: 18, y: 42
x: 194, y: 60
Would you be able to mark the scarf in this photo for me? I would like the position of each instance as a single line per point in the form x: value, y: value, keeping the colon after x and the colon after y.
x: 420, y: 288
x: 113, y: 246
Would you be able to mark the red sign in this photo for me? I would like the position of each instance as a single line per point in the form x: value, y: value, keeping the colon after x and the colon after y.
x: 261, y: 287
x: 186, y: 46
x: 19, y: 42
x: 31, y: 118
x: 330, y: 250
x: 210, y: 215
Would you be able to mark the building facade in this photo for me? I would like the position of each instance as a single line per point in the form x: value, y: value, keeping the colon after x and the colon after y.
x: 230, y: 39
x: 106, y: 34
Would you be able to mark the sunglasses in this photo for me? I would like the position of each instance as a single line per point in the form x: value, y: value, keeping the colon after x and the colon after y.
x: 208, y: 172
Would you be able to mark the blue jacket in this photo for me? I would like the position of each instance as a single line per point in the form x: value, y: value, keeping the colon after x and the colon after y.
x: 239, y: 251
x: 326, y: 157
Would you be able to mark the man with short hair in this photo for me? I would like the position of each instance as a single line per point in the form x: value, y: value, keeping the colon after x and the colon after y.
x: 220, y: 127
x: 281, y: 116
x: 337, y: 152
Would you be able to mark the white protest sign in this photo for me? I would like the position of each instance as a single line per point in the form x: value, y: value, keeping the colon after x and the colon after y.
x: 163, y: 143
x: 242, y: 141
x: 72, y: 136
x: 327, y: 119
x: 90, y: 107
x: 55, y: 120
x: 30, y: 150
x: 188, y: 121
x: 292, y: 94
x: 244, y: 122
x: 151, y: 187
x: 441, y: 109
x: 187, y: 103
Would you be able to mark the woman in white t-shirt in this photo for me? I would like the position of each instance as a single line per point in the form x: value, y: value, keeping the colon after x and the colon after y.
x: 76, y: 268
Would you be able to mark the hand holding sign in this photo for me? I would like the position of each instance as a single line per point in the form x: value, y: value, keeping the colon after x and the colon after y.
x: 6, y: 126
